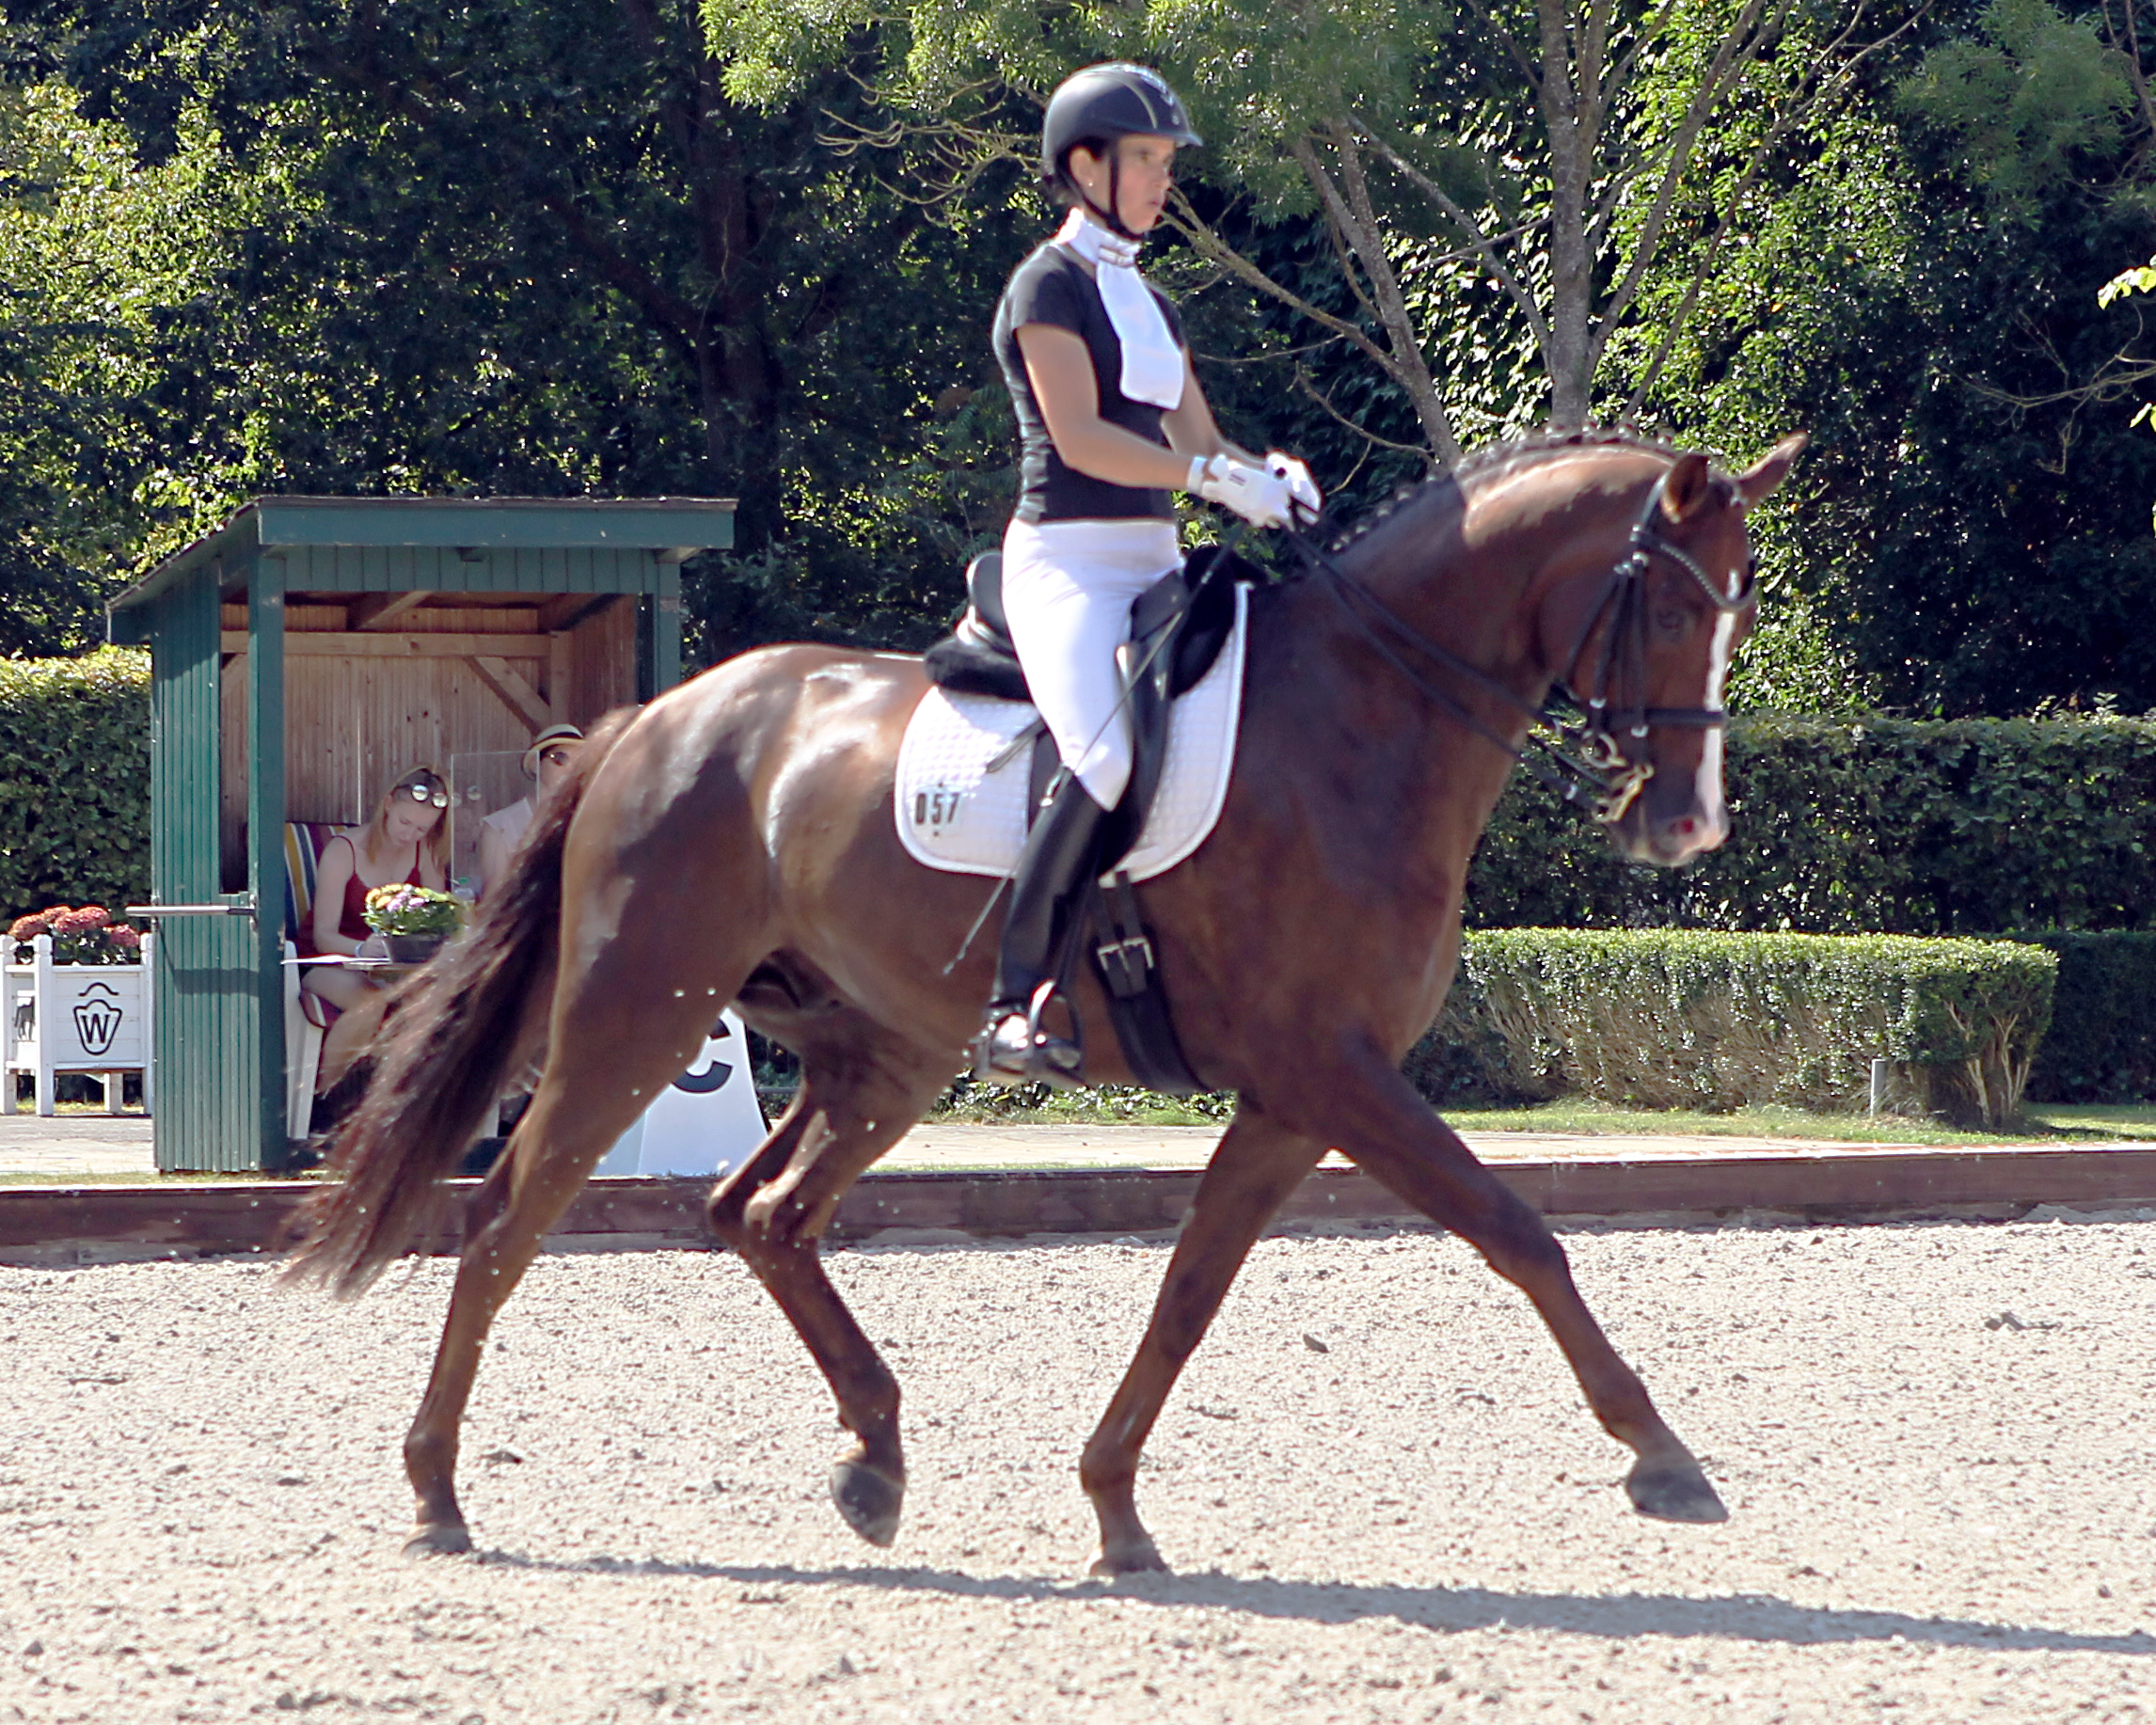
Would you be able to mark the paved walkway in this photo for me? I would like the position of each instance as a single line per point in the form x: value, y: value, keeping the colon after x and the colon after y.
x: 103, y: 1144
x: 110, y: 1147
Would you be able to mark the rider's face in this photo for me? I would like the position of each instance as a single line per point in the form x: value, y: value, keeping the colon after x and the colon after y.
x: 1146, y: 172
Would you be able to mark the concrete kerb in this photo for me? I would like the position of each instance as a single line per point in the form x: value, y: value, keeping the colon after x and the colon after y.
x: 56, y: 1225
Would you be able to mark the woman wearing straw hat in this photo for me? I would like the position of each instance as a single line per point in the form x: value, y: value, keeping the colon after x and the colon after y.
x: 544, y: 764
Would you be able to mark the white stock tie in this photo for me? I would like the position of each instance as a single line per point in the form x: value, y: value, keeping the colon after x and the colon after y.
x: 1152, y: 363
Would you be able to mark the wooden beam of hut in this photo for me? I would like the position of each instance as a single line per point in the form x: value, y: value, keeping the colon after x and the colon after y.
x: 497, y: 675
x: 378, y: 611
x: 328, y: 643
x: 566, y: 610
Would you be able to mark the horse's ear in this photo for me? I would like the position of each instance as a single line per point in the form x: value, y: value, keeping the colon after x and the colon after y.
x: 1686, y: 489
x: 1758, y: 485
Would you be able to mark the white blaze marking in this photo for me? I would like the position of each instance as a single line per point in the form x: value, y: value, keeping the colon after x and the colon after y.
x: 1706, y: 786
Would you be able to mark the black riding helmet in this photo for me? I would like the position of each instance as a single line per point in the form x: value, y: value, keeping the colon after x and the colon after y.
x: 1097, y: 106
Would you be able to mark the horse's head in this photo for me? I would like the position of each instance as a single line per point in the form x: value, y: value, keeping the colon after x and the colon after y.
x: 1654, y: 646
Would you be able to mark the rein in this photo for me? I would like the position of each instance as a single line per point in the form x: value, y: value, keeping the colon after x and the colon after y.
x: 1577, y: 756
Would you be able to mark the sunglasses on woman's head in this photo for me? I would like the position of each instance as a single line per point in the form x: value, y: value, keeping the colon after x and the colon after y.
x: 428, y: 793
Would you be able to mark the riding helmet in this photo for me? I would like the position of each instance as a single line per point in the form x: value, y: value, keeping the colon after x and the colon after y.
x: 1105, y: 102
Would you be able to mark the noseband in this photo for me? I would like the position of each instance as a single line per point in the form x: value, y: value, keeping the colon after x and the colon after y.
x: 1578, y: 754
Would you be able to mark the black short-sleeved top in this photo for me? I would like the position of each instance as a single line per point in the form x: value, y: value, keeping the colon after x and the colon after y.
x: 1053, y: 286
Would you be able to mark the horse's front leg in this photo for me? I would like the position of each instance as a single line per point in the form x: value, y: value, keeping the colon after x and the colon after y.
x: 774, y: 1211
x: 551, y: 1154
x: 1388, y: 1129
x: 1254, y: 1169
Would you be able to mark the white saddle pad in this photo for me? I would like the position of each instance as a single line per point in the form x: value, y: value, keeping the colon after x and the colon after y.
x: 954, y: 814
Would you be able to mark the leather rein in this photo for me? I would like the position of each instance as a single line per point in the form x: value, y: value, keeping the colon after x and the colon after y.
x: 1578, y: 754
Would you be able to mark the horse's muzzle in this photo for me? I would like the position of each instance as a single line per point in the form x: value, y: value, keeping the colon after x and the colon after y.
x: 1668, y: 841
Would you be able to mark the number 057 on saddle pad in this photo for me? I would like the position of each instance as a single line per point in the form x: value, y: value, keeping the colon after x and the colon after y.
x: 957, y: 815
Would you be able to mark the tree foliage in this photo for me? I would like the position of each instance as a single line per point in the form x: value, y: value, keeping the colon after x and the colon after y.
x: 512, y: 249
x: 96, y: 253
x: 609, y: 246
x: 1536, y: 154
x: 1969, y: 534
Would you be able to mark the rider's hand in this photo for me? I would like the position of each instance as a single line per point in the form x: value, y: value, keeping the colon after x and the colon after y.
x: 1308, y: 500
x: 1262, y: 499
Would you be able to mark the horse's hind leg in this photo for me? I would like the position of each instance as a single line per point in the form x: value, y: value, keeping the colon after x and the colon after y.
x: 623, y: 1027
x: 854, y: 1102
x: 559, y: 1141
x: 1391, y: 1133
x: 1252, y: 1172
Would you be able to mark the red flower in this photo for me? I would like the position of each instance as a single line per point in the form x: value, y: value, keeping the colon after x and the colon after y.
x: 123, y: 937
x: 86, y: 921
x: 29, y: 928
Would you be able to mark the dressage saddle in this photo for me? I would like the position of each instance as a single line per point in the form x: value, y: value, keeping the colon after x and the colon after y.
x: 1177, y: 628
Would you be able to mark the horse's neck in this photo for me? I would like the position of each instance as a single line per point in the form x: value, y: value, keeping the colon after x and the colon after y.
x: 1472, y: 575
x: 1468, y: 579
x: 1339, y: 671
x: 1475, y: 604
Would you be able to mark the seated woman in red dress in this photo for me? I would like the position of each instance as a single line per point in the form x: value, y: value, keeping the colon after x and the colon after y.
x: 407, y: 841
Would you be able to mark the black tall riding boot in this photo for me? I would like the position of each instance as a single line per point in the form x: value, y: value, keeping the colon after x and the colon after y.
x: 1052, y: 872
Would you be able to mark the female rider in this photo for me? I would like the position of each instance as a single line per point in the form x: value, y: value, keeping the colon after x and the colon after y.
x: 1111, y: 419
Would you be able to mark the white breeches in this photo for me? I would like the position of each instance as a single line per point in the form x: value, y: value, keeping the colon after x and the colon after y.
x: 1067, y: 593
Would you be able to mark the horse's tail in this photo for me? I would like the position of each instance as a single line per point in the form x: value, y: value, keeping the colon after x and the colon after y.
x: 445, y: 1054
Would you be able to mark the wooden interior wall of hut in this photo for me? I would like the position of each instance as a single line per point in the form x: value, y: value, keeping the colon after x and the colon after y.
x: 377, y: 684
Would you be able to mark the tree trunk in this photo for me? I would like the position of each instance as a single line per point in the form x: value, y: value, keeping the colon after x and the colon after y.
x: 1569, y: 116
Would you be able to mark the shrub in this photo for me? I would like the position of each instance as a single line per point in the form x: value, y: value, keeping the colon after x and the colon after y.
x: 74, y: 780
x: 1665, y: 1019
x: 1889, y: 826
x: 2102, y: 1042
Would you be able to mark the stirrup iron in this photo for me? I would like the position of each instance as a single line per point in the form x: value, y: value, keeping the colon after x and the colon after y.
x: 1043, y: 1059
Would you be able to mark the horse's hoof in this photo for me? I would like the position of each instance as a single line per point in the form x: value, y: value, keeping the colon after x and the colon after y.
x: 1674, y: 1492
x: 869, y: 1500
x: 444, y: 1539
x: 1138, y: 1556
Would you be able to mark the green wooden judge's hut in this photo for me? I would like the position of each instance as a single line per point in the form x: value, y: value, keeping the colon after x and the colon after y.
x: 303, y: 657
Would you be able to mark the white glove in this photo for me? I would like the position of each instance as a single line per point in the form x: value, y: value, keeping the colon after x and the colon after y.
x: 1262, y: 499
x: 1309, y: 502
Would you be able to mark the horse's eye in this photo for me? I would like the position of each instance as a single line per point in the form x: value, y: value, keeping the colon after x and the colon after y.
x: 1670, y: 620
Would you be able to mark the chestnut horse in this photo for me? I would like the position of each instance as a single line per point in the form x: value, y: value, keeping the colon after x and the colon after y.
x: 734, y: 842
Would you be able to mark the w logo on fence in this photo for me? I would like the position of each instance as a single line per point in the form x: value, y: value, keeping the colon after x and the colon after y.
x: 98, y: 1020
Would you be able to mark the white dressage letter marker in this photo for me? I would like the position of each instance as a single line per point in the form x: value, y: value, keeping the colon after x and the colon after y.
x: 703, y: 1124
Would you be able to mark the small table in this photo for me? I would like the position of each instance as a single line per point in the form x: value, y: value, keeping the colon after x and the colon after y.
x: 368, y: 966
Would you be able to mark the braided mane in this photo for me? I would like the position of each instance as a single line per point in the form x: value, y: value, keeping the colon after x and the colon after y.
x: 1498, y: 458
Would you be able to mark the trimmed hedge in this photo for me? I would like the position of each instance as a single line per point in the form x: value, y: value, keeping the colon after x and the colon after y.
x: 1668, y: 1018
x: 1891, y: 826
x: 1913, y: 827
x: 2102, y: 1042
x: 75, y: 782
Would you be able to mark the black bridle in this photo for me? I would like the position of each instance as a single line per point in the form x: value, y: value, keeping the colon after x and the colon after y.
x: 1580, y: 754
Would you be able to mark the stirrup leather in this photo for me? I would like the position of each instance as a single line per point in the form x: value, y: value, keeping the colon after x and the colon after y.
x: 1041, y: 1058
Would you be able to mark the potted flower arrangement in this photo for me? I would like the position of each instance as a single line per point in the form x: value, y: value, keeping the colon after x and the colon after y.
x: 86, y: 935
x: 413, y: 920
